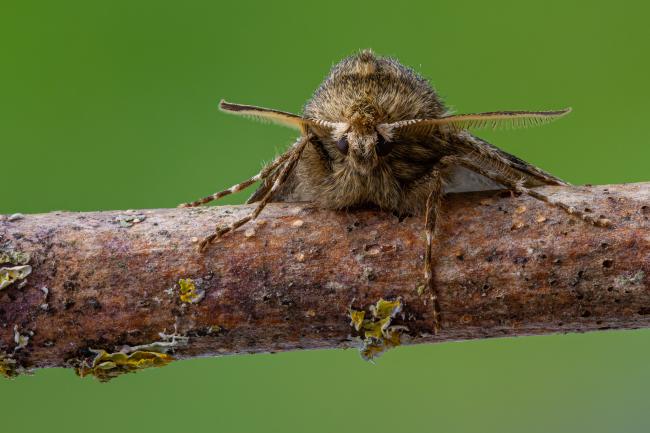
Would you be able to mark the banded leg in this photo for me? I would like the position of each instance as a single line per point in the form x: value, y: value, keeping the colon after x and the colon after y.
x: 292, y: 159
x: 517, y: 186
x: 261, y: 191
x: 434, y: 202
x: 263, y: 174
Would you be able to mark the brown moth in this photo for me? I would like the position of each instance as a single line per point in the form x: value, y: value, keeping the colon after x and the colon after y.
x: 375, y: 133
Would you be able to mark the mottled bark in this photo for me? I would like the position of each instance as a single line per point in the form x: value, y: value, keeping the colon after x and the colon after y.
x: 505, y: 266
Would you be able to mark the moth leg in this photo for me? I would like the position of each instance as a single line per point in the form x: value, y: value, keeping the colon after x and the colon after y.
x: 289, y: 164
x: 264, y: 187
x: 434, y: 202
x: 517, y: 185
x: 263, y: 174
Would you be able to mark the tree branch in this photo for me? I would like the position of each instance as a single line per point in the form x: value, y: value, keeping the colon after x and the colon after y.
x: 133, y: 287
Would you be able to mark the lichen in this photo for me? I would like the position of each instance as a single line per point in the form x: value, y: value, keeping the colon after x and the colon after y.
x: 7, y: 366
x: 214, y: 329
x: 356, y: 319
x: 189, y: 292
x: 126, y: 221
x: 21, y: 340
x: 9, y: 275
x: 377, y: 333
x: 631, y: 279
x: 168, y: 342
x: 15, y: 217
x: 12, y: 257
x: 106, y: 366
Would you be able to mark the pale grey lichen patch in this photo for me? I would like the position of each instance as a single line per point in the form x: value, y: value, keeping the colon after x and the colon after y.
x: 10, y: 275
x: 21, y: 340
x: 45, y: 306
x: 167, y: 343
x: 12, y: 257
x: 15, y: 217
x: 128, y: 220
x: 18, y: 272
x: 632, y: 279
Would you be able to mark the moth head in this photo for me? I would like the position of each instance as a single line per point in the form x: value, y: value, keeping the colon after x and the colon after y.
x: 358, y: 142
x: 362, y: 149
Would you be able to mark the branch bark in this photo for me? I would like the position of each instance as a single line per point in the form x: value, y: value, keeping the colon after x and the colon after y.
x: 134, y: 282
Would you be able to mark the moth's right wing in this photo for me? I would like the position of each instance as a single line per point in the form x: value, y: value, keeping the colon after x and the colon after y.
x: 453, y: 130
x: 494, y: 158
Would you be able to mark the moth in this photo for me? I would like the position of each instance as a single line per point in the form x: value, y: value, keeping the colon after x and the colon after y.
x: 375, y: 133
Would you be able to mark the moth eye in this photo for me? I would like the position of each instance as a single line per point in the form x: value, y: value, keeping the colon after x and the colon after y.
x: 383, y: 147
x: 342, y: 145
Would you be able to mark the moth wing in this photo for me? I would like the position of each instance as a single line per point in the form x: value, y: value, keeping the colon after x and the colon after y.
x: 462, y: 179
x: 532, y: 176
x: 453, y: 129
x: 485, y: 154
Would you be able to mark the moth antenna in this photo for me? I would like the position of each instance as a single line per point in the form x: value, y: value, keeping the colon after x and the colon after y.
x: 494, y: 119
x: 266, y: 114
x: 282, y: 118
x: 337, y: 128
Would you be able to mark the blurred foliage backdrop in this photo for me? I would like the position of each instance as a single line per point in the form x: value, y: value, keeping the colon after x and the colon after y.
x: 113, y: 105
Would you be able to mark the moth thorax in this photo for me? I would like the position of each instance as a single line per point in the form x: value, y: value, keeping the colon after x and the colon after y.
x: 364, y: 64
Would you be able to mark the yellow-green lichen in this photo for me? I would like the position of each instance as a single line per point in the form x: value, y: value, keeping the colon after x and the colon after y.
x: 10, y: 275
x: 7, y: 366
x: 105, y: 366
x: 214, y: 329
x: 356, y: 319
x: 189, y: 292
x: 376, y: 331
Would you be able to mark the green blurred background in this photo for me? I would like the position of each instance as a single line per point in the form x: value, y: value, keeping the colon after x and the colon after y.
x: 113, y: 105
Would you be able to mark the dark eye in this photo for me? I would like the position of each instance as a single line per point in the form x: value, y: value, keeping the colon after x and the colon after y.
x: 342, y: 145
x: 383, y: 147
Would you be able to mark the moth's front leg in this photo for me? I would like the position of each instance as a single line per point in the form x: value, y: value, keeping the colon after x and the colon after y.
x: 432, y: 213
x: 293, y: 155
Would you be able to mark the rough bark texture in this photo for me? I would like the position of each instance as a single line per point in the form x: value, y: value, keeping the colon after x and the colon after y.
x: 505, y: 266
